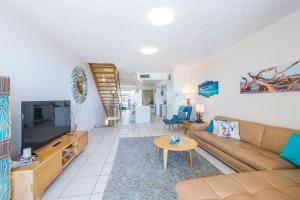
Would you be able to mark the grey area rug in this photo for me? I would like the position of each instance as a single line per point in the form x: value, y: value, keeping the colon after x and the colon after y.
x: 138, y: 173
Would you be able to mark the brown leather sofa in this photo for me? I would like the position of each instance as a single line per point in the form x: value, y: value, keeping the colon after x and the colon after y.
x: 259, y: 185
x: 257, y: 153
x: 258, y: 149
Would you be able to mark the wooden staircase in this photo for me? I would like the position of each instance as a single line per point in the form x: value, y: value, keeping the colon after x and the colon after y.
x: 107, y: 82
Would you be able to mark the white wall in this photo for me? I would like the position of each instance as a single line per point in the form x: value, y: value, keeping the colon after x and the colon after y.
x: 182, y: 80
x: 40, y: 67
x: 169, y: 94
x: 136, y: 98
x: 183, y: 87
x: 158, y: 99
x: 277, y: 44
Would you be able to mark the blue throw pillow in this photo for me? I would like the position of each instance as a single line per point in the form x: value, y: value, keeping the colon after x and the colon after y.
x: 182, y: 115
x: 291, y: 150
x: 210, y: 127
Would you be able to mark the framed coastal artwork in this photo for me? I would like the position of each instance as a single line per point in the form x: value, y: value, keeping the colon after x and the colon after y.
x: 4, y: 138
x: 208, y: 88
x: 281, y: 78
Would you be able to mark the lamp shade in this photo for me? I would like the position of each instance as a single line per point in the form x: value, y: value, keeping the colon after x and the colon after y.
x: 200, y: 108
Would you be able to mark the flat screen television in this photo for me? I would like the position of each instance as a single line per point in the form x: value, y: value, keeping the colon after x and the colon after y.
x: 44, y: 121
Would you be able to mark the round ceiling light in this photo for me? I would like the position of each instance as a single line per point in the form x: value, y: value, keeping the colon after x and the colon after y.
x: 161, y: 16
x: 149, y: 50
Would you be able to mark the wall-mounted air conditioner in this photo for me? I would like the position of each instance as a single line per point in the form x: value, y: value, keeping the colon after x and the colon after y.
x: 162, y: 76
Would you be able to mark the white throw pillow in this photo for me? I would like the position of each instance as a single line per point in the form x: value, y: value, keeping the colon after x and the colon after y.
x: 229, y: 129
x: 217, y: 124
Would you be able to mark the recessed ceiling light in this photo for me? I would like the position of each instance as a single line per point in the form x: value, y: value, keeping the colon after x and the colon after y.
x: 161, y: 16
x: 149, y: 50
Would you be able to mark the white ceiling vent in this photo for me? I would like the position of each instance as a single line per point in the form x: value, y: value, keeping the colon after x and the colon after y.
x: 152, y: 76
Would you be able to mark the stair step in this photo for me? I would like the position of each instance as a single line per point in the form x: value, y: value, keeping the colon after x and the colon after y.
x: 106, y: 78
x: 100, y: 75
x: 106, y: 84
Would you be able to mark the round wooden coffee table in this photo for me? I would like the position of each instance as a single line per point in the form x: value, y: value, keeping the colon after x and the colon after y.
x: 163, y: 143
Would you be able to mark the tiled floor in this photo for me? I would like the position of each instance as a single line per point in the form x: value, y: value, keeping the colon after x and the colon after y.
x: 85, y: 178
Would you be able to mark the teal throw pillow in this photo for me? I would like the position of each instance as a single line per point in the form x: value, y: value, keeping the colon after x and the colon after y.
x: 291, y: 150
x: 210, y: 127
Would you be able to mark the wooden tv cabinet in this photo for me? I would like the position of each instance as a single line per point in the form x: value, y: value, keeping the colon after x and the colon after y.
x: 30, y: 182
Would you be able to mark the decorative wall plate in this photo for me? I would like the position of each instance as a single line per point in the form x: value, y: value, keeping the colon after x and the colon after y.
x: 79, y: 85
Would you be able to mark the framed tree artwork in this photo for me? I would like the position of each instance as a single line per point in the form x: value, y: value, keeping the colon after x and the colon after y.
x: 283, y: 78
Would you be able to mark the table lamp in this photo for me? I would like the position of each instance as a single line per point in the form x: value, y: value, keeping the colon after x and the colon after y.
x: 199, y: 112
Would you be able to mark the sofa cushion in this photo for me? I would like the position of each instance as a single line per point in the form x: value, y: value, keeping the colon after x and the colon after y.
x: 275, y: 138
x: 256, y: 157
x: 232, y: 162
x: 291, y: 151
x: 225, y: 118
x: 282, y: 184
x: 250, y: 132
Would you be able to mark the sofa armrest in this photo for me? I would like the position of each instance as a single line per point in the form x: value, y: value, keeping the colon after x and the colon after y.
x: 199, y: 127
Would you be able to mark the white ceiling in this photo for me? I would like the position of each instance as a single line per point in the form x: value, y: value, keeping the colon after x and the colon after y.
x: 114, y: 31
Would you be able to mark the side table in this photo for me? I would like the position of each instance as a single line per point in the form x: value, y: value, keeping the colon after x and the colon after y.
x: 187, y: 125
